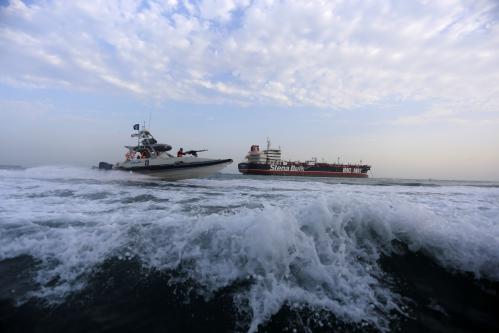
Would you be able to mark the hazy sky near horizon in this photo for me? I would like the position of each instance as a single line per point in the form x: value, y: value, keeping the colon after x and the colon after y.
x: 410, y: 87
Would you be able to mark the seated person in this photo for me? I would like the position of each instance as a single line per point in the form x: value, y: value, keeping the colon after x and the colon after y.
x: 180, y: 152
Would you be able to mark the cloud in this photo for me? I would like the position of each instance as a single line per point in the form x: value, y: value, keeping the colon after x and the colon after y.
x: 431, y: 116
x: 220, y: 10
x: 331, y: 54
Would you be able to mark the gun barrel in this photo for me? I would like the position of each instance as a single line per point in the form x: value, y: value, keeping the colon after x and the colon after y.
x: 195, y: 152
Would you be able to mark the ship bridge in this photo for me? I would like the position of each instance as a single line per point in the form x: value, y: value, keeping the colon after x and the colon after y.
x: 268, y: 155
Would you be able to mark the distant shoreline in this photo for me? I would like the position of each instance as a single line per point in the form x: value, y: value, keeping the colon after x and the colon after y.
x: 11, y: 167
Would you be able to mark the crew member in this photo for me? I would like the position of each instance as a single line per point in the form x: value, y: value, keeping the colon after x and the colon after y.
x: 180, y: 152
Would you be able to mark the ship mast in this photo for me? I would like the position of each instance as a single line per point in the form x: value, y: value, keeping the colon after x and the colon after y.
x: 268, y: 148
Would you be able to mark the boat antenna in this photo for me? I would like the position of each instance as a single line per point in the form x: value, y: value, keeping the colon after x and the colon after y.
x: 150, y: 112
x: 138, y: 136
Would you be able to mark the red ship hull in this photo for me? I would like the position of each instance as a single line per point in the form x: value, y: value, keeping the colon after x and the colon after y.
x: 304, y: 173
x: 303, y: 170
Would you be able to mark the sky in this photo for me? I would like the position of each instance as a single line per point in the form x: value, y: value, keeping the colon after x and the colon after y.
x: 409, y: 87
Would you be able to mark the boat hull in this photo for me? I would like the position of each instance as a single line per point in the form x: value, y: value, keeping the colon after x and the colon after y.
x: 292, y: 170
x: 177, y: 169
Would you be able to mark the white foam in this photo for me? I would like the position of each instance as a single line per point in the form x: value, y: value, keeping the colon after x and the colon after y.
x: 304, y: 243
x: 69, y: 172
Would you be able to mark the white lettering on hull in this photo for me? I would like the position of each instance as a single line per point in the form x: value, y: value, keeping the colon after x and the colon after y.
x: 274, y: 167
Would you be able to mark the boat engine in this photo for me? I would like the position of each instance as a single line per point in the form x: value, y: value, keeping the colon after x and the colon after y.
x: 105, y: 166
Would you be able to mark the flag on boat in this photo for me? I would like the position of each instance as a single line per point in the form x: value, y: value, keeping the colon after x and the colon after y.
x: 136, y: 127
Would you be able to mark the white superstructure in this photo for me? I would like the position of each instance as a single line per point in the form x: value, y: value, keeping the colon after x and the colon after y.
x: 266, y: 156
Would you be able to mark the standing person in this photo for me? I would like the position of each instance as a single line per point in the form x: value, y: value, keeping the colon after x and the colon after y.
x: 180, y: 152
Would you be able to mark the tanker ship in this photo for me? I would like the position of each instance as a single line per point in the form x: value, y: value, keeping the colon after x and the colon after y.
x: 269, y: 162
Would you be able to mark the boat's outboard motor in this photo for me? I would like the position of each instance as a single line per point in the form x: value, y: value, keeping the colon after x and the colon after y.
x: 105, y: 166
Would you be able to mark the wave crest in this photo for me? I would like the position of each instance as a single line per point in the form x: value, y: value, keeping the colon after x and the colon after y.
x: 317, y: 245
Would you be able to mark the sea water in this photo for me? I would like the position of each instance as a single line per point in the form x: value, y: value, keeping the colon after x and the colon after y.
x: 89, y: 250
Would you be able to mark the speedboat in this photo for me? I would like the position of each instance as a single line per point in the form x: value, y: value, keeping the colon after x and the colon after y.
x: 152, y: 158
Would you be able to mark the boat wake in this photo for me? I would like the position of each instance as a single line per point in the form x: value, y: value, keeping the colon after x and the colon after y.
x: 242, y: 254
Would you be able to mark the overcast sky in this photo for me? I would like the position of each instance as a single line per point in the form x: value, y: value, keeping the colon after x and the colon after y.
x: 410, y: 87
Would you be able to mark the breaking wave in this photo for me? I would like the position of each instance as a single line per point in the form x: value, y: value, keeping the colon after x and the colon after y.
x: 272, y: 244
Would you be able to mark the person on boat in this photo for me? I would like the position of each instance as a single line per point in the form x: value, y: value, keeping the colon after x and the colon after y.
x: 180, y: 152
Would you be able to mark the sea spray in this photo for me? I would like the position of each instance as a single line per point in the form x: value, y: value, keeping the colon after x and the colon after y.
x: 288, y: 243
